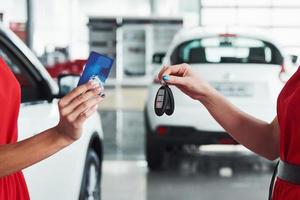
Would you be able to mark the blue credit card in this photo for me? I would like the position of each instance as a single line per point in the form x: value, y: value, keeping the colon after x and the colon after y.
x: 97, y: 66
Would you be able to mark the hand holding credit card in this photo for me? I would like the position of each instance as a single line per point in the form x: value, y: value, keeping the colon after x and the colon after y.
x: 96, y: 69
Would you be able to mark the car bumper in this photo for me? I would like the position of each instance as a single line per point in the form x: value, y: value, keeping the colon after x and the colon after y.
x: 187, y: 135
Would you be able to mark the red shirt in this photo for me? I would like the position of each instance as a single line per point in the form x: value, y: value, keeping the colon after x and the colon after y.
x: 288, y: 112
x: 12, y: 187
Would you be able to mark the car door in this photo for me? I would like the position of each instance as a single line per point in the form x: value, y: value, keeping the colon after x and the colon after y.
x: 37, y: 113
x: 34, y: 107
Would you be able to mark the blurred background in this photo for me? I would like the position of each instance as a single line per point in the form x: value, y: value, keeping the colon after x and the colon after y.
x: 246, y: 49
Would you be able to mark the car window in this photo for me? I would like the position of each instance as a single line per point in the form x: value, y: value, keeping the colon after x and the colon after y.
x: 29, y: 86
x: 226, y: 49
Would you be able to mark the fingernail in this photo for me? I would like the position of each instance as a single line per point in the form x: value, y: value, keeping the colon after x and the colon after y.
x: 97, y: 90
x: 166, y: 77
x: 90, y: 83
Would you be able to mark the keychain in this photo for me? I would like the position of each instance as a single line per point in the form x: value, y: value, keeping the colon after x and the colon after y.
x: 164, y: 101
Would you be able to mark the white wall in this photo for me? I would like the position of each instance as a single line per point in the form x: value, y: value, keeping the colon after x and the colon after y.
x: 64, y: 22
x: 82, y: 9
x: 280, y: 18
x: 52, y: 24
x: 14, y: 10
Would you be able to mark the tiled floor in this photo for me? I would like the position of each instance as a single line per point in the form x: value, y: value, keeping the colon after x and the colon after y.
x: 130, y: 180
x: 124, y: 99
x: 203, y: 175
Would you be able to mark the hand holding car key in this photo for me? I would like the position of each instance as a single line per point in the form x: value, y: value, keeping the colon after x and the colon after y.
x: 164, y: 100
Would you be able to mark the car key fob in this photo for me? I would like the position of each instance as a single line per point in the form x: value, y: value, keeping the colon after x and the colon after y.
x: 170, y: 103
x: 161, y: 100
x: 164, y: 101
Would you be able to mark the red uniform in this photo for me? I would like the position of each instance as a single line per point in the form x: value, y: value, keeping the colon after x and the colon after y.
x: 12, y: 187
x: 288, y: 112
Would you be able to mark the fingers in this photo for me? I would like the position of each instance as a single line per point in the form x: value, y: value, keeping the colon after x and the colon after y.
x: 162, y: 71
x: 175, y: 80
x: 85, y: 115
x: 83, y: 107
x: 80, y: 99
x: 76, y: 92
x: 177, y: 70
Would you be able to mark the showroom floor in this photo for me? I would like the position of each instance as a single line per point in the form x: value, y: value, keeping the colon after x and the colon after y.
x: 205, y: 174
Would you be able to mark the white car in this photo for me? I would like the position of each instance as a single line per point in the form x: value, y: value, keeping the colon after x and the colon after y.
x: 246, y: 67
x: 74, y: 172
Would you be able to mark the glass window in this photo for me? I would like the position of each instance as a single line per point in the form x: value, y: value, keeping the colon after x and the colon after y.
x: 225, y: 3
x: 286, y: 36
x: 285, y: 17
x: 21, y: 75
x: 253, y: 17
x: 255, y: 3
x: 29, y: 87
x: 218, y: 2
x: 214, y: 16
x: 286, y: 3
x: 227, y: 49
x: 279, y: 18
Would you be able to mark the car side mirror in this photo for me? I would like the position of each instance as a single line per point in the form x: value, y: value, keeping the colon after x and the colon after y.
x: 294, y: 59
x: 66, y: 83
x: 157, y: 58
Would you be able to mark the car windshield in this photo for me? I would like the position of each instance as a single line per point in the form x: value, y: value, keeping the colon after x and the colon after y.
x: 226, y: 49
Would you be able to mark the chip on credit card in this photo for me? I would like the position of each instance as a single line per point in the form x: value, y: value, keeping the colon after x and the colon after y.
x: 97, y: 68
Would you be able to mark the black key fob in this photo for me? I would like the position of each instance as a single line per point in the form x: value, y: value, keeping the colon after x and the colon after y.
x: 161, y: 101
x: 170, y: 104
x: 164, y: 101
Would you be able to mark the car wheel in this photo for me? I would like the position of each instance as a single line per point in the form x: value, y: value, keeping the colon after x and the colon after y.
x: 91, y: 182
x: 154, y: 153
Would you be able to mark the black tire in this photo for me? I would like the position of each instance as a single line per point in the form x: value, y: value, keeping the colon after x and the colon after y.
x: 92, y: 169
x: 154, y: 150
x: 154, y: 153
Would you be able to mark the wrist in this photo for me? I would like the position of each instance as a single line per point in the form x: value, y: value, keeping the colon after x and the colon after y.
x: 207, y: 95
x: 63, y: 139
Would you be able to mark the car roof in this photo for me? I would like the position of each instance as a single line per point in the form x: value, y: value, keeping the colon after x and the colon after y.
x: 199, y: 32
